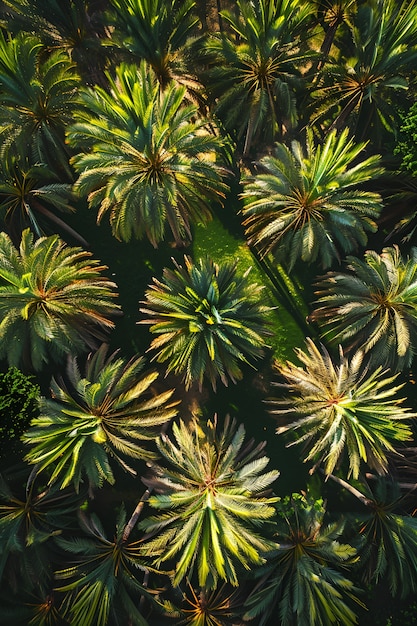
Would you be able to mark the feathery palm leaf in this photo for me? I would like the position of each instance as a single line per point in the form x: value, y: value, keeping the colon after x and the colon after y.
x: 362, y: 89
x: 108, y: 412
x: 207, y: 320
x: 157, y: 31
x: 310, y: 206
x: 253, y: 77
x: 144, y: 158
x: 209, y: 499
x: 385, y: 534
x: 75, y: 27
x: 103, y: 579
x: 218, y: 607
x: 36, y: 102
x: 27, y: 195
x: 301, y: 580
x: 342, y: 409
x: 30, y: 515
x: 374, y: 307
x: 53, y: 300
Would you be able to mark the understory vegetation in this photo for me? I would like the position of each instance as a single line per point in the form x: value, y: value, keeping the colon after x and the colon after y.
x: 208, y: 312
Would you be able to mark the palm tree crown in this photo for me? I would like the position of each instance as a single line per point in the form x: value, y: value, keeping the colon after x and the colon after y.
x: 301, y: 579
x: 342, y: 409
x: 53, y: 300
x: 206, y: 319
x: 144, y: 157
x: 253, y: 76
x: 211, y: 496
x: 37, y: 101
x: 307, y: 205
x: 359, y: 88
x: 374, y: 307
x: 108, y: 412
x: 102, y: 581
x: 157, y: 31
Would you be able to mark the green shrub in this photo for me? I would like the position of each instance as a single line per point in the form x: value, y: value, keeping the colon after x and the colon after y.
x: 18, y: 406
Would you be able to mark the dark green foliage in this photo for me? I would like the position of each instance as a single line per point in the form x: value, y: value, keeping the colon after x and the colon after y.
x: 373, y: 307
x: 301, y: 583
x: 207, y: 319
x: 156, y: 31
x: 109, y: 413
x: 361, y: 88
x: 36, y: 102
x: 254, y: 69
x: 310, y: 204
x: 19, y: 404
x: 211, y: 501
x: 407, y: 145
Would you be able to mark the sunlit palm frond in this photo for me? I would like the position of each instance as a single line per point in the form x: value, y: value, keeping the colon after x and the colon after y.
x: 208, y: 500
x: 373, y: 307
x: 206, y: 320
x: 53, y: 301
x: 107, y: 413
x: 341, y: 409
x: 310, y: 205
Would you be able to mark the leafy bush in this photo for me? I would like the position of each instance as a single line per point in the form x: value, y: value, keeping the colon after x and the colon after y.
x: 18, y: 406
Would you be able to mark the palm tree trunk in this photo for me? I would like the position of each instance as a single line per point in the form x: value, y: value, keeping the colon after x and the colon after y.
x: 355, y: 492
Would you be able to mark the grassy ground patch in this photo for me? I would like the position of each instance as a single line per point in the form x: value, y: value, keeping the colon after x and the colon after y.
x: 215, y: 241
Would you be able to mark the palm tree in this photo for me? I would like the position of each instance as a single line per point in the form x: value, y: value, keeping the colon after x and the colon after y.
x: 361, y: 88
x: 301, y: 580
x: 31, y: 515
x: 253, y: 76
x: 332, y: 14
x: 374, y: 307
x: 76, y: 27
x: 30, y: 193
x: 53, y: 301
x: 37, y: 101
x: 159, y: 32
x: 342, y: 409
x: 218, y: 607
x: 210, y: 498
x: 207, y: 320
x: 107, y: 413
x: 309, y: 205
x: 386, y: 535
x: 103, y: 577
x: 144, y: 157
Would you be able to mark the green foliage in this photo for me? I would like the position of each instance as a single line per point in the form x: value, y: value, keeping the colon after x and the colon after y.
x: 107, y: 413
x: 360, y: 88
x: 19, y: 404
x: 300, y: 580
x: 342, y: 409
x: 103, y: 583
x: 27, y: 195
x: 37, y: 101
x: 308, y: 205
x: 145, y: 157
x: 388, y: 540
x: 208, y: 320
x: 214, y: 241
x: 53, y: 301
x: 156, y: 31
x: 210, y: 498
x: 254, y: 73
x: 30, y: 516
x: 374, y: 307
x: 406, y: 146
